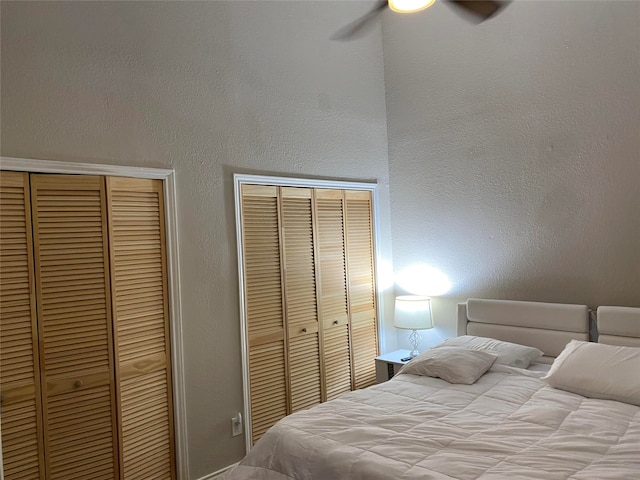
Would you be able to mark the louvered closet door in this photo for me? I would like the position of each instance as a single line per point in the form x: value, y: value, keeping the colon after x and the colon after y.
x: 333, y: 310
x: 21, y: 417
x: 264, y: 311
x: 300, y: 298
x: 141, y: 328
x: 74, y: 320
x: 362, y: 290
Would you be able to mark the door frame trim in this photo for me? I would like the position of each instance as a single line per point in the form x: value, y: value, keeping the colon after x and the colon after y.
x: 173, y: 271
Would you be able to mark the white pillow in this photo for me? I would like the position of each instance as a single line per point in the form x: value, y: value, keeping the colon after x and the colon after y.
x: 511, y: 354
x: 596, y: 370
x: 453, y: 364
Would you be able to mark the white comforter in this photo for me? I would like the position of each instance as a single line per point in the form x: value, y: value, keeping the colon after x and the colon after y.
x: 505, y: 426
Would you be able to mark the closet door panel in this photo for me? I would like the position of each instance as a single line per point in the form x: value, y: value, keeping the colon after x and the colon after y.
x: 74, y: 321
x: 305, y: 374
x: 304, y: 361
x: 141, y: 327
x: 21, y: 452
x: 333, y: 301
x: 263, y: 293
x: 362, y: 291
x: 80, y: 430
x: 22, y: 445
x: 337, y: 360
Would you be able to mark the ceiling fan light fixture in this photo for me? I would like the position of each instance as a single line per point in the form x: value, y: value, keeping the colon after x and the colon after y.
x: 409, y: 6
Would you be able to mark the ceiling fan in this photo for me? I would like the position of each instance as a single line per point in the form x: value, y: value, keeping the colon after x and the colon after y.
x: 476, y: 11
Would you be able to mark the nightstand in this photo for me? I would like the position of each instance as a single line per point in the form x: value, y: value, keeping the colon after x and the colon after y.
x: 389, y: 364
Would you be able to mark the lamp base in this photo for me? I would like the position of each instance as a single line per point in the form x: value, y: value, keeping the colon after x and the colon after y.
x: 415, y: 340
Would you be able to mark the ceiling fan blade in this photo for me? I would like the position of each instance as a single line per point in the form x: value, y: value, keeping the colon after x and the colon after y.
x: 354, y: 29
x: 479, y: 10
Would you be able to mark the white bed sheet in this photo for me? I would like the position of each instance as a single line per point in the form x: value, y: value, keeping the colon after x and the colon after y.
x: 508, y: 425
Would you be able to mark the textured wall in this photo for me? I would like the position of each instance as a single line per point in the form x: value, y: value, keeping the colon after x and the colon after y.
x: 514, y: 151
x: 513, y: 145
x: 207, y: 88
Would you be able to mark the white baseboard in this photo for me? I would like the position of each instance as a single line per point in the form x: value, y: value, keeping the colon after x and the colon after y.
x: 217, y: 474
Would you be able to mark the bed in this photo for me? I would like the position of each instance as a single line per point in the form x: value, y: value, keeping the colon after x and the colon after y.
x: 507, y: 424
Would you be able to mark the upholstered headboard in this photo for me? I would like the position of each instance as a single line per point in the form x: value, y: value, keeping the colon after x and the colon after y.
x: 547, y: 326
x: 619, y: 326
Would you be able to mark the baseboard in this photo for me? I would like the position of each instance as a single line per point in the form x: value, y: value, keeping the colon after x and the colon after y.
x: 217, y: 474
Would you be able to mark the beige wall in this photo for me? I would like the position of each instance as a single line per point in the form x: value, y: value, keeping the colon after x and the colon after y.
x: 513, y: 146
x: 514, y: 151
x: 210, y: 89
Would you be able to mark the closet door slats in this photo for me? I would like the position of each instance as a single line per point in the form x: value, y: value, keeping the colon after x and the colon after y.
x: 331, y: 257
x: 362, y: 292
x: 264, y: 311
x: 85, y: 394
x: 77, y: 378
x: 21, y: 418
x: 309, y: 293
x: 300, y: 298
x: 141, y: 327
x: 333, y: 303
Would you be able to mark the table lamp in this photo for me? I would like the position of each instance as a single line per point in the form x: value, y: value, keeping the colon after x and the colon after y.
x: 413, y: 312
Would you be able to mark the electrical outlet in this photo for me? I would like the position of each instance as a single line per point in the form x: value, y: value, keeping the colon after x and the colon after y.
x: 236, y: 425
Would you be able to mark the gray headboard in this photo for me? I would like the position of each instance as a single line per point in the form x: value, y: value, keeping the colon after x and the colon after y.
x: 547, y: 326
x: 619, y: 326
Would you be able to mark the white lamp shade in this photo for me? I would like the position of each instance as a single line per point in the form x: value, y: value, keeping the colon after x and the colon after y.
x: 413, y: 312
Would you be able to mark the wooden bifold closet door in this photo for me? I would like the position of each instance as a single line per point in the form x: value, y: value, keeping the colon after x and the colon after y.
x: 334, y: 295
x: 306, y: 381
x: 141, y: 328
x: 22, y: 439
x: 84, y: 329
x: 310, y: 297
x: 362, y: 300
x: 74, y: 326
